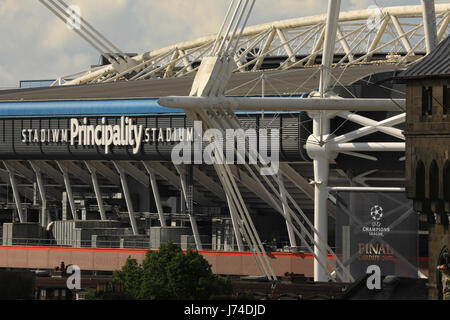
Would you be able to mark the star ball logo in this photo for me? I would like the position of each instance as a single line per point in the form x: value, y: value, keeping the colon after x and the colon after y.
x: 375, y: 228
x: 376, y: 212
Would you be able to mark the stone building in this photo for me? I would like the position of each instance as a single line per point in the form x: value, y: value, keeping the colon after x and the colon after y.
x: 427, y: 134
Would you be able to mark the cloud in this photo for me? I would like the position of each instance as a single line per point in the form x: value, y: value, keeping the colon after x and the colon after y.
x: 36, y: 44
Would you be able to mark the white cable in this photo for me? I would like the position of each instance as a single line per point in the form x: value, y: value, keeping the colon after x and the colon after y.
x: 220, y: 51
x: 221, y: 28
x: 243, y: 27
x: 241, y: 14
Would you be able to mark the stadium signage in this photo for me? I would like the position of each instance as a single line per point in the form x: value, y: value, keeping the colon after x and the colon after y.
x: 375, y: 251
x: 212, y: 146
x: 126, y: 133
x: 375, y: 228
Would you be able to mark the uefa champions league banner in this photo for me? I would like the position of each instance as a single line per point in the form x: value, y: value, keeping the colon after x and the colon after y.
x: 377, y: 228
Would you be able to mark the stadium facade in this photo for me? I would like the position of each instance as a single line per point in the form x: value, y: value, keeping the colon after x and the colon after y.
x: 89, y: 163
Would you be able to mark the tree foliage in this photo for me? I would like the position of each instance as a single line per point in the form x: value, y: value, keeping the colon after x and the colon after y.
x: 130, y: 278
x: 171, y: 274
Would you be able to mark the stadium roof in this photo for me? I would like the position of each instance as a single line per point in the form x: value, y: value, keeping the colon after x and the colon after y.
x: 291, y: 82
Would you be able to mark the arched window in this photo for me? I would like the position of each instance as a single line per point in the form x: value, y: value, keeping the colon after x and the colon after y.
x: 420, y: 181
x: 446, y: 177
x: 445, y: 100
x: 434, y: 180
x: 427, y: 101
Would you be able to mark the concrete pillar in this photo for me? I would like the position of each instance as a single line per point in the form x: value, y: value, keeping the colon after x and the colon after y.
x: 187, y: 193
x: 69, y: 193
x: 126, y: 192
x: 16, y: 193
x: 65, y: 206
x: 45, y: 217
x: 35, y: 194
x: 156, y: 195
x: 83, y: 210
x: 98, y: 193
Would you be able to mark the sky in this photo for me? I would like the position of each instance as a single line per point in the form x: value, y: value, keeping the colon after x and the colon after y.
x: 35, y: 44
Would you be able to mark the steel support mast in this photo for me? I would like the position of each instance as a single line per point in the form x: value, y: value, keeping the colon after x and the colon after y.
x: 318, y: 150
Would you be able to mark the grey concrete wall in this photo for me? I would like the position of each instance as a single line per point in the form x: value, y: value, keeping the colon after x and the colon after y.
x: 20, y: 233
x: 160, y: 235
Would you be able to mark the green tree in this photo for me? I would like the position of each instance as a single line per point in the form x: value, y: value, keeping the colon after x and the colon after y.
x: 130, y: 277
x: 171, y: 274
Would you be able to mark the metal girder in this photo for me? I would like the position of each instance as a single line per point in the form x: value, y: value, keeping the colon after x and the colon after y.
x: 156, y: 195
x: 369, y: 146
x: 165, y: 173
x: 169, y: 70
x: 187, y: 190
x: 45, y: 216
x: 254, y: 187
x: 49, y: 171
x: 208, y: 183
x: 126, y: 191
x: 16, y: 193
x: 321, y: 158
x: 344, y: 44
x: 286, y: 45
x: 77, y: 171
x: 377, y: 38
x: 300, y: 182
x: 315, y: 50
x: 65, y: 173
x: 443, y: 27
x: 368, y: 189
x: 297, y: 179
x: 98, y: 194
x: 283, y: 104
x: 22, y: 169
x: 371, y: 126
x: 429, y: 23
x: 401, y: 33
x: 264, y: 49
x: 105, y: 171
x: 134, y: 172
x: 27, y: 192
x: 174, y: 180
x: 30, y: 176
x: 217, y: 189
x: 85, y: 30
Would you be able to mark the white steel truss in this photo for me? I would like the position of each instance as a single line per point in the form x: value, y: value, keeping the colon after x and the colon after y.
x: 398, y: 37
